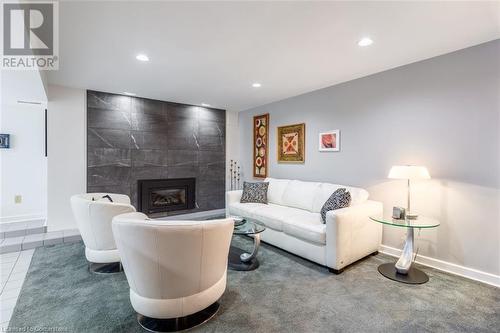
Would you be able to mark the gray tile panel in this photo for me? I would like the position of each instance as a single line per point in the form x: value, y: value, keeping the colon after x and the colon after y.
x: 149, y: 158
x: 112, y: 120
x: 148, y: 140
x: 98, y: 157
x: 11, y: 244
x: 108, y: 138
x: 32, y: 241
x: 132, y: 138
x: 107, y: 175
x: 52, y: 238
x: 71, y: 236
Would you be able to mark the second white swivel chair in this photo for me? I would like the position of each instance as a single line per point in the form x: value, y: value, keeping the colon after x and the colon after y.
x: 94, y: 213
x: 176, y: 270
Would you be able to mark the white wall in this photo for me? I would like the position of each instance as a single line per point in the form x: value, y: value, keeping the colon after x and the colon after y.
x: 23, y: 166
x: 443, y: 113
x: 67, y: 147
x: 232, y: 140
x: 66, y: 153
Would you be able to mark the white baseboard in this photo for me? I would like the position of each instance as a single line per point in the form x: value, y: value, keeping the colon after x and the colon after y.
x: 197, y: 215
x: 448, y: 267
x: 21, y: 218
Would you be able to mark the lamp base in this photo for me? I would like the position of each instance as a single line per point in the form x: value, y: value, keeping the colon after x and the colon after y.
x: 411, y: 216
x: 414, y: 275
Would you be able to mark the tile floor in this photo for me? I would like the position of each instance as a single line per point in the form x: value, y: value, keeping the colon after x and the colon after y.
x: 31, y: 241
x: 14, y: 267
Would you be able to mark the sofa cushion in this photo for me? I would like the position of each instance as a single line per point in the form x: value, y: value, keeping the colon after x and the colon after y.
x: 299, y: 194
x: 276, y: 189
x: 306, y: 226
x: 244, y: 209
x: 273, y: 216
x: 325, y: 190
x: 254, y: 192
x: 341, y: 198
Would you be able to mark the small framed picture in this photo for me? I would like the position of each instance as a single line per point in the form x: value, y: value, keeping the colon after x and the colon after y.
x: 4, y: 140
x: 329, y: 141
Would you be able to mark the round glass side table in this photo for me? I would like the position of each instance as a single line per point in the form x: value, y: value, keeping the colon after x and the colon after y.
x: 402, y: 270
x: 239, y: 260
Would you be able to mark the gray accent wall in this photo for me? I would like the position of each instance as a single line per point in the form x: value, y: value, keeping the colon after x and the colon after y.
x: 132, y: 138
x: 442, y: 113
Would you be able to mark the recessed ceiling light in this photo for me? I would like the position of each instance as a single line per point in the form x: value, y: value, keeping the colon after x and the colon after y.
x: 205, y: 104
x: 142, y: 57
x: 256, y: 85
x: 128, y: 93
x: 365, y: 41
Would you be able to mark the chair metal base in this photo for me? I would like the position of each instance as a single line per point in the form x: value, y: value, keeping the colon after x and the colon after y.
x: 178, y: 324
x: 106, y: 268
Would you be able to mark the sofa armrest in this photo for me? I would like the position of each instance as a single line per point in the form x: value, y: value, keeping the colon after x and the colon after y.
x: 351, y: 235
x: 232, y: 197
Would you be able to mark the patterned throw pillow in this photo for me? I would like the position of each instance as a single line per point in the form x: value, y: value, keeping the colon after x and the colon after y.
x: 254, y: 192
x: 339, y: 199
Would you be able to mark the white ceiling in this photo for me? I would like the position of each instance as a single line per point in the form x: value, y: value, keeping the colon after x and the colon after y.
x: 212, y: 52
x: 22, y: 85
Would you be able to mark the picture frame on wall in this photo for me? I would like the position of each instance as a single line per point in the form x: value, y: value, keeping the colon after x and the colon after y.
x: 291, y: 143
x: 329, y: 141
x: 260, y: 145
x: 5, y: 141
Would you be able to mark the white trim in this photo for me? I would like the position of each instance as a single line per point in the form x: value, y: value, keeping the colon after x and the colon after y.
x: 448, y: 267
x: 14, y: 218
x: 197, y: 215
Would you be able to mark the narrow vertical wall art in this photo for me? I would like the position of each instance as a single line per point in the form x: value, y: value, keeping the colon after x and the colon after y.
x: 260, y: 145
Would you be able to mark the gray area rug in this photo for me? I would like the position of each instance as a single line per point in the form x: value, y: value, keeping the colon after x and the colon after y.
x: 285, y: 294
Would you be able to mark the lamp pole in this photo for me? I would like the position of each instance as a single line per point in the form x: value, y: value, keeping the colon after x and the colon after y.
x: 408, y: 203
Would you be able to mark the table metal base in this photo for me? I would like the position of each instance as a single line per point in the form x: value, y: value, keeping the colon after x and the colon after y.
x: 239, y: 260
x: 236, y: 264
x: 414, y: 275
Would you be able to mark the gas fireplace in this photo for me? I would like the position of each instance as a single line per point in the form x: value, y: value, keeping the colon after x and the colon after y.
x: 165, y: 195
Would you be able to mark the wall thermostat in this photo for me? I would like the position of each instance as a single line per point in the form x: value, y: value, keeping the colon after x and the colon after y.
x: 4, y: 140
x: 398, y: 213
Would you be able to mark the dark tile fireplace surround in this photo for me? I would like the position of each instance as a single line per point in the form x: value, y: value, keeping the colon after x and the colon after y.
x: 135, y: 145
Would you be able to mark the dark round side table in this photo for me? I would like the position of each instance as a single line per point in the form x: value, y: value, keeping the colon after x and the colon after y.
x: 239, y: 259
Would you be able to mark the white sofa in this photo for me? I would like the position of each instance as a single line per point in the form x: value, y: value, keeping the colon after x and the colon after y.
x: 176, y: 269
x: 293, y: 221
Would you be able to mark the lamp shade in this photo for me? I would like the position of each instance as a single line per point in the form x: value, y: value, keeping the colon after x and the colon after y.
x: 409, y: 172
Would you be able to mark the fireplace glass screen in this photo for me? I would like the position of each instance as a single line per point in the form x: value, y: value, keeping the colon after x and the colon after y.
x: 169, y: 197
x: 165, y: 195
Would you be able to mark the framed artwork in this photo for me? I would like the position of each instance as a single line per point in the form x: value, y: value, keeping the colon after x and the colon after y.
x: 260, y: 145
x: 291, y: 143
x: 4, y: 140
x: 329, y: 141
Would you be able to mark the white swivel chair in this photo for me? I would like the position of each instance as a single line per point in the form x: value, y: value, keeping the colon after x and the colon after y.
x: 94, y: 213
x: 176, y: 270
